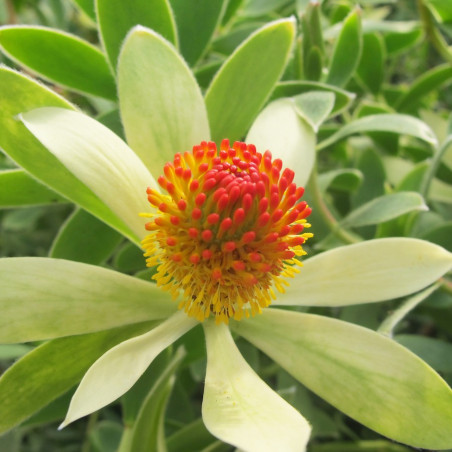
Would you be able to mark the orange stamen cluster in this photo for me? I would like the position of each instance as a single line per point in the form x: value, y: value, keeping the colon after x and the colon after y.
x: 227, y: 231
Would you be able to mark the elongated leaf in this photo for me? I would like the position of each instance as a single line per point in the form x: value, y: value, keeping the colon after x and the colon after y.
x: 52, y: 369
x: 426, y: 83
x: 196, y: 24
x: 366, y: 272
x: 59, y: 57
x: 371, y: 67
x: 342, y: 179
x: 280, y: 129
x: 194, y: 434
x: 239, y: 408
x: 347, y: 51
x: 385, y: 208
x: 83, y: 238
x: 45, y: 298
x: 245, y: 81
x: 98, y: 158
x: 161, y: 105
x: 366, y: 375
x: 19, y: 94
x: 117, y: 17
x: 148, y: 429
x: 116, y: 371
x: 18, y: 189
x: 396, y: 123
x: 342, y: 101
x: 314, y: 107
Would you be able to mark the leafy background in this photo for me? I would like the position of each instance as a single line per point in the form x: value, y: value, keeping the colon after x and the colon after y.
x: 375, y: 176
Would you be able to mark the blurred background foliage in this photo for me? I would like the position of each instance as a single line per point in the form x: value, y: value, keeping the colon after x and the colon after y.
x: 377, y: 58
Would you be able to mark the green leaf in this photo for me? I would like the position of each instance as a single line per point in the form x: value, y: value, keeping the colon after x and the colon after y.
x: 225, y: 44
x: 18, y: 189
x: 342, y: 101
x: 366, y: 375
x: 194, y: 434
x: 19, y: 94
x: 162, y: 108
x: 437, y: 353
x: 196, y: 24
x: 13, y: 351
x: 117, y: 17
x: 52, y: 369
x: 87, y: 6
x: 371, y: 69
x: 441, y: 235
x: 148, y: 430
x: 129, y: 259
x: 239, y: 408
x: 370, y: 164
x: 400, y: 124
x: 384, y: 208
x: 59, y: 57
x: 44, y: 298
x: 342, y: 179
x: 423, y: 85
x: 441, y: 9
x: 245, y: 81
x: 366, y: 272
x: 398, y: 42
x: 314, y: 107
x: 84, y: 238
x: 280, y: 129
x: 347, y: 51
x: 115, y: 372
x: 105, y: 436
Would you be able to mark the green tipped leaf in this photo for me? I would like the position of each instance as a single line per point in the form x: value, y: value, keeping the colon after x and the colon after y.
x: 117, y: 17
x: 395, y: 123
x: 367, y: 272
x: 161, y: 104
x: 384, y: 208
x: 59, y: 57
x: 367, y: 376
x: 245, y: 81
x: 44, y: 298
x: 347, y: 51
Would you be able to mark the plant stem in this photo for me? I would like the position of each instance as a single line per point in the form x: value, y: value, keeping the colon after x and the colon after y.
x: 393, y: 319
x: 328, y: 217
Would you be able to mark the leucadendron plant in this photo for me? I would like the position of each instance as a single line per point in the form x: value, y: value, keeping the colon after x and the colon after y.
x: 223, y: 224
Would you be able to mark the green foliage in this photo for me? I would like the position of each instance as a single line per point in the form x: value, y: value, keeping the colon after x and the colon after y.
x: 354, y: 98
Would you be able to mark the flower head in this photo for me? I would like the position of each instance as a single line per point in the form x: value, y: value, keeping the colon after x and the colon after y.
x: 228, y: 229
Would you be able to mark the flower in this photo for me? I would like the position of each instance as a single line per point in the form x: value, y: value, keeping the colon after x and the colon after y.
x: 366, y: 375
x: 227, y: 230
